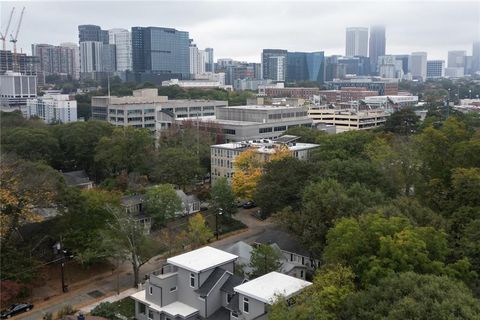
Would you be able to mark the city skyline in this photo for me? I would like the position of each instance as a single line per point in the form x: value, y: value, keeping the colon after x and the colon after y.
x: 243, y: 33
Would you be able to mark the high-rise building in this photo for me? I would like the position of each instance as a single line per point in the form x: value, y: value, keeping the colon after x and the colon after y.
x: 90, y: 32
x: 197, y: 61
x: 305, y: 66
x: 91, y: 56
x: 418, y: 65
x: 53, y: 108
x: 161, y: 50
x: 356, y: 43
x: 456, y: 59
x: 359, y: 66
x: 435, y: 69
x: 274, y: 64
x: 16, y: 88
x: 404, y: 59
x: 97, y: 56
x: 377, y: 44
x: 55, y: 60
x: 76, y: 61
x: 389, y: 67
x: 122, y: 40
x: 476, y: 56
x: 209, y: 64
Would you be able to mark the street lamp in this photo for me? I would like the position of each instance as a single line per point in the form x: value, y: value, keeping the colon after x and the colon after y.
x: 219, y: 213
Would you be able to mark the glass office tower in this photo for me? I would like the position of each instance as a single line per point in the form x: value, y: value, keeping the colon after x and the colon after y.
x: 306, y: 66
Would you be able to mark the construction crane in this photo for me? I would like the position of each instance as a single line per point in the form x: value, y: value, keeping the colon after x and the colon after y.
x: 14, y: 41
x: 3, y: 36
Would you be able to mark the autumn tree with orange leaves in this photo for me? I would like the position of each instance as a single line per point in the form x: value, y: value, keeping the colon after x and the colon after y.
x: 248, y: 167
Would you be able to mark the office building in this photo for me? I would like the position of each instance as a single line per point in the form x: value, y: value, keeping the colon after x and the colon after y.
x: 456, y: 59
x: 209, y: 64
x: 55, y: 60
x: 250, y: 84
x: 333, y: 69
x: 122, y: 40
x: 76, y: 57
x: 16, y: 88
x: 454, y: 72
x: 146, y: 109
x: 345, y: 95
x: 197, y: 60
x: 53, y: 108
x: 164, y: 52
x: 404, y: 60
x: 89, y: 32
x: 223, y: 155
x: 274, y: 64
x: 342, y: 120
x: 359, y: 66
x: 418, y: 65
x: 377, y: 44
x: 356, y: 43
x: 109, y: 58
x: 382, y: 86
x: 201, y: 84
x: 476, y: 56
x: 389, y: 67
x: 279, y: 91
x: 305, y: 66
x: 211, y: 76
x: 435, y: 69
x: 91, y: 58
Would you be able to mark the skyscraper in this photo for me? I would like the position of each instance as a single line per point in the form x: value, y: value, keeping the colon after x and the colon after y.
x: 456, y: 59
x: 476, y: 56
x: 305, y: 66
x: 97, y: 56
x: 90, y: 32
x: 356, y: 43
x: 58, y: 60
x: 76, y: 50
x: 123, y: 45
x: 197, y: 60
x: 377, y: 44
x: 91, y: 57
x: 274, y: 64
x: 161, y: 50
x: 209, y: 64
x: 418, y: 65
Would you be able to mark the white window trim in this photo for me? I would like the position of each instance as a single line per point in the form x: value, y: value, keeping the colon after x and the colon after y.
x: 243, y: 305
x: 150, y: 290
x: 192, y: 276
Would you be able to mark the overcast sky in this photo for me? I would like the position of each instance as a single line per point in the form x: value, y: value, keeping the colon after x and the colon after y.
x: 241, y: 29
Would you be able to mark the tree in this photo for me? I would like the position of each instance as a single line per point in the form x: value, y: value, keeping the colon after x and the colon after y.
x: 412, y: 296
x: 264, y: 259
x: 466, y: 187
x: 402, y: 122
x: 24, y: 186
x: 106, y: 310
x: 83, y: 218
x: 331, y: 287
x: 197, y: 233
x: 281, y: 184
x: 177, y: 166
x: 307, y: 135
x: 162, y: 203
x: 128, y: 149
x: 223, y: 197
x: 248, y: 169
x: 124, y: 237
x: 375, y: 247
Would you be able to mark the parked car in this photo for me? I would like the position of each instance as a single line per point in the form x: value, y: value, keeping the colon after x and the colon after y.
x: 16, y: 309
x: 249, y: 205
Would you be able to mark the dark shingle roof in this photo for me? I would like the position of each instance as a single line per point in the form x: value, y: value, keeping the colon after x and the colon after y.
x: 232, y: 282
x: 210, y: 282
x: 220, y: 314
x: 284, y: 240
x: 233, y: 305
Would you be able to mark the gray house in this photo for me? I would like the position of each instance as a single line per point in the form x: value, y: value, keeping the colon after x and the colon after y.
x: 201, y: 284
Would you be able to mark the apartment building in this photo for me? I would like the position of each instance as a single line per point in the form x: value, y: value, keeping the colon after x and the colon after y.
x: 201, y: 284
x: 347, y: 119
x: 146, y: 109
x: 53, y: 108
x: 223, y: 155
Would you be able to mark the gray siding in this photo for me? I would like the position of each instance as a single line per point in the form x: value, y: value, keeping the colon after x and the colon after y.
x: 214, y: 300
x: 186, y: 294
x: 256, y: 308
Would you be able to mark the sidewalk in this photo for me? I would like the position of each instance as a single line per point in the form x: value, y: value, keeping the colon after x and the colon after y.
x: 122, y: 295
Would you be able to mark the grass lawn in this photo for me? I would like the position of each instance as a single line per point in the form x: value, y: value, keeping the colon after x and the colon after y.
x: 126, y: 307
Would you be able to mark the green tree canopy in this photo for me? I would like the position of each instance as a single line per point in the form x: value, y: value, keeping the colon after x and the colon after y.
x: 403, y: 122
x: 264, y: 259
x: 177, y: 166
x: 223, y: 197
x: 162, y: 203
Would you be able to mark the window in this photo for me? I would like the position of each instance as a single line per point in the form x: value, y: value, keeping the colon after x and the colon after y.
x: 173, y: 289
x: 142, y: 308
x: 291, y: 256
x: 229, y: 297
x: 301, y: 273
x: 192, y: 280
x: 264, y: 130
x: 150, y: 314
x: 150, y: 290
x: 245, y: 305
x: 281, y: 128
x: 303, y: 260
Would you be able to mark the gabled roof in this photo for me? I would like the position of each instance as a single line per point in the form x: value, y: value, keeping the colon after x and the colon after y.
x: 267, y: 287
x: 284, y: 240
x: 202, y: 259
x: 211, y: 281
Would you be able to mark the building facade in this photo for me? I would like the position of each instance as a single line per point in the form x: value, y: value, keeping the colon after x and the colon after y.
x: 276, y: 91
x: 16, y: 88
x: 223, y: 155
x: 356, y: 42
x: 209, y: 62
x: 345, y: 95
x: 435, y: 69
x: 161, y: 50
x: 382, y: 86
x: 456, y: 59
x: 122, y: 40
x: 476, y: 56
x: 377, y: 44
x: 53, y: 108
x: 305, y: 66
x: 418, y: 65
x: 274, y: 65
x: 56, y: 60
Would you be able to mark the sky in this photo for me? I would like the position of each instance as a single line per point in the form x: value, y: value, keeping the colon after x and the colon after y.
x: 241, y: 29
